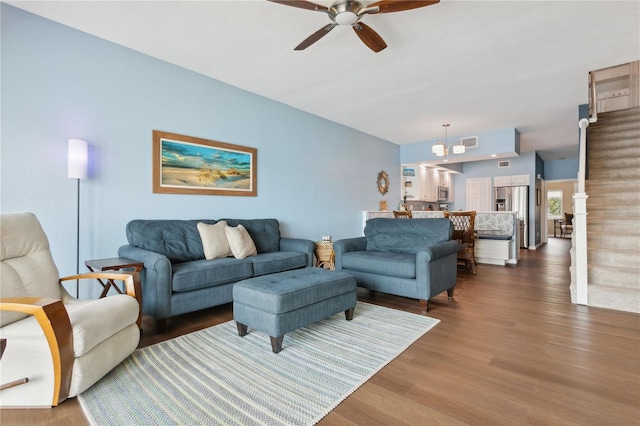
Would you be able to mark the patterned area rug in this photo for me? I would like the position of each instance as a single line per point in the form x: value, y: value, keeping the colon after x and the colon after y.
x: 214, y: 376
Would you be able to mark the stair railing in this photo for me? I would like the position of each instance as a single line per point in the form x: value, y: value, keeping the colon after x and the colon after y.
x: 593, y: 98
x: 580, y: 221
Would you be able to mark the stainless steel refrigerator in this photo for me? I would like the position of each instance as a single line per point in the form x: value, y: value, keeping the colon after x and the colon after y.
x: 516, y: 199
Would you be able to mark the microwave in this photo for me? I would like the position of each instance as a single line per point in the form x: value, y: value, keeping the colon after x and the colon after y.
x: 443, y: 193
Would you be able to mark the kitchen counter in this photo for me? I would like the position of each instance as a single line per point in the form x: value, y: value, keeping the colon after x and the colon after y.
x: 418, y: 214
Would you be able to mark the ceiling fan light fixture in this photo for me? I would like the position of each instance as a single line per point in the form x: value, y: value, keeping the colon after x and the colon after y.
x: 346, y: 18
x: 349, y: 12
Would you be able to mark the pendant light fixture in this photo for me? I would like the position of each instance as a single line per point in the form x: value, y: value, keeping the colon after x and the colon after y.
x: 441, y: 149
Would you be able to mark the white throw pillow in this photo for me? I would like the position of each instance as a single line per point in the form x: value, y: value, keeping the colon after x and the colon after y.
x: 214, y: 240
x: 240, y: 242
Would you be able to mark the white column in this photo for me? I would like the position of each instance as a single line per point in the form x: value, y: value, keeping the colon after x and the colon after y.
x: 580, y: 222
x: 580, y: 245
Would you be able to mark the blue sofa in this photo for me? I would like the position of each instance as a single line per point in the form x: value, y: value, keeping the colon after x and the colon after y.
x: 407, y: 257
x: 177, y: 278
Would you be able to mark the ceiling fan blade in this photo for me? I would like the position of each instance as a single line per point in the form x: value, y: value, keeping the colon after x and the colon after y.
x: 386, y: 6
x: 315, y: 37
x: 369, y: 37
x: 301, y: 4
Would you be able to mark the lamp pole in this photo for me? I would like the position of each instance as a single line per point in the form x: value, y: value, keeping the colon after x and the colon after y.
x: 78, y: 238
x: 78, y: 161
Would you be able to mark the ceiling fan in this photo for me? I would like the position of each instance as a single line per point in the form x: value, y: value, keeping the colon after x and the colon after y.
x: 348, y: 12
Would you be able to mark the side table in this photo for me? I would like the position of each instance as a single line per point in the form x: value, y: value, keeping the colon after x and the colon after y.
x: 113, y: 264
x: 325, y: 255
x: 117, y: 264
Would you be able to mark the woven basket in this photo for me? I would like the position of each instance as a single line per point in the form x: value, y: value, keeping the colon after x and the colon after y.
x: 324, y: 251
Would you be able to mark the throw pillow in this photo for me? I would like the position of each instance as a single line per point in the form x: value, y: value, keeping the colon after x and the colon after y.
x: 240, y: 242
x: 214, y: 240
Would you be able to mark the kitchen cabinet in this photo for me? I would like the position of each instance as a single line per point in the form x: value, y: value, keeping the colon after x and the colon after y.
x: 447, y: 179
x: 413, y: 182
x: 433, y: 181
x: 516, y: 180
x: 420, y: 183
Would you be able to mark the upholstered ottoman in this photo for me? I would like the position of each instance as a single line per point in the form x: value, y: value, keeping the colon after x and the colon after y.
x: 280, y: 303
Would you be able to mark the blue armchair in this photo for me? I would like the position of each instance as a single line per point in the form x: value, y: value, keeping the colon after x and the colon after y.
x: 412, y: 258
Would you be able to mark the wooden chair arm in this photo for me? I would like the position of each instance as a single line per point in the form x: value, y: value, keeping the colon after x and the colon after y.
x: 54, y: 322
x: 131, y: 279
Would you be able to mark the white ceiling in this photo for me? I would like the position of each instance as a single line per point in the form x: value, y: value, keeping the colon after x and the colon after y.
x: 478, y: 65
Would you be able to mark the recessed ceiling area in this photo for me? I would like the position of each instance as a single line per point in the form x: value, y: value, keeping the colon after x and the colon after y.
x: 480, y: 65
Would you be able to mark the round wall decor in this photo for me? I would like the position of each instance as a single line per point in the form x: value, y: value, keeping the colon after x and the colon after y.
x: 383, y: 182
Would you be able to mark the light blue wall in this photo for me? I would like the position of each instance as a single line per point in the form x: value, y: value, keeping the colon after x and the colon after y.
x: 315, y: 176
x: 561, y: 169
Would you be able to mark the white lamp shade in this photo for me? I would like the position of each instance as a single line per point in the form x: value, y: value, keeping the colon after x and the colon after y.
x: 439, y: 149
x: 458, y: 149
x: 78, y: 159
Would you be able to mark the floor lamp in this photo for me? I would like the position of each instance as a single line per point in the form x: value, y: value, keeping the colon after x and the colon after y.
x: 78, y: 162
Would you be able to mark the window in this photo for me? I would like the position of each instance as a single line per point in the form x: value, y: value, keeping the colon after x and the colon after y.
x: 554, y: 204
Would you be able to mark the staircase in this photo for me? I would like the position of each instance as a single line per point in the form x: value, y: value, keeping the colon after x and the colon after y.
x: 613, y: 211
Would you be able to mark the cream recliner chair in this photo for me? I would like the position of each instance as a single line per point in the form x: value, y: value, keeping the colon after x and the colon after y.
x: 56, y: 346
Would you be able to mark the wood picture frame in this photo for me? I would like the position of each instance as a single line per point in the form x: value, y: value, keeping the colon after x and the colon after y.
x: 189, y: 165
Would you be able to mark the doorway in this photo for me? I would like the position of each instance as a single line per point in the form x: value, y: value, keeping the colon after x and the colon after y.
x: 559, y: 202
x: 479, y: 197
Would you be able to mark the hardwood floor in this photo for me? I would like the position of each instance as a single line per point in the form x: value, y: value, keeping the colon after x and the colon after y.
x: 510, y: 350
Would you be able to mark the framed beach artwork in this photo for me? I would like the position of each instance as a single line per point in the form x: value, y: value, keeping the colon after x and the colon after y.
x: 188, y: 165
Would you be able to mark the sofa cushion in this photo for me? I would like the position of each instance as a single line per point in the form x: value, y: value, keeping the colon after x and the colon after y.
x: 268, y: 263
x: 214, y: 240
x: 198, y: 274
x: 383, y: 263
x: 240, y: 242
x: 179, y: 240
x: 406, y: 236
x: 265, y: 233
